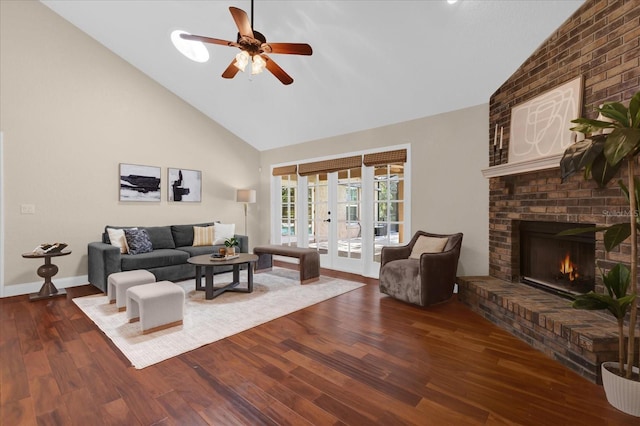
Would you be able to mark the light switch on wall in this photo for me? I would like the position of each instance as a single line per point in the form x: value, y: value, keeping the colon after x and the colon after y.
x: 27, y: 209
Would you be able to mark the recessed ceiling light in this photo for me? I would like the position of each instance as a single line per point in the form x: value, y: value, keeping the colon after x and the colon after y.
x: 194, y: 50
x: 452, y: 1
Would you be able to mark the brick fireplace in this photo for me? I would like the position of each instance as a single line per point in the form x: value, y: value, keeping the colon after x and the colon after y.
x: 601, y: 43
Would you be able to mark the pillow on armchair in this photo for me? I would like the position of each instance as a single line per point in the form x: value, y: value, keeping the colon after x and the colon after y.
x: 426, y: 244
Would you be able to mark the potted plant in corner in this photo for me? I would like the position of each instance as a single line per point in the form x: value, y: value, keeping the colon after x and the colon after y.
x: 610, y: 143
x: 231, y: 244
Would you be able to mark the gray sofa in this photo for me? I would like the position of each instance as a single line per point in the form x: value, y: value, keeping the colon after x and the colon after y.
x: 172, y: 246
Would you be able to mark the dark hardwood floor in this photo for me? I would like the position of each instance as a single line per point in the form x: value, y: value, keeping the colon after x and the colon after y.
x: 358, y: 359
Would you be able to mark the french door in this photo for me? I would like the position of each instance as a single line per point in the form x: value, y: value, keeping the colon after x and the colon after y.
x: 334, y: 223
x: 346, y: 215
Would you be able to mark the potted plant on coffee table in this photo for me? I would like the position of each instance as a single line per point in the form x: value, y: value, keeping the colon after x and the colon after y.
x: 231, y: 244
x: 610, y: 143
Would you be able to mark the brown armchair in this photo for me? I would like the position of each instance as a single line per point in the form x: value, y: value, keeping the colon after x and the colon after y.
x: 425, y: 276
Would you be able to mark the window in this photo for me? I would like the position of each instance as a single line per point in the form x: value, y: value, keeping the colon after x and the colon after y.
x: 288, y: 210
x: 388, y: 206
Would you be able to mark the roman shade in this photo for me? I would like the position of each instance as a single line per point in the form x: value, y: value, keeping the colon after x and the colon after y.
x: 285, y: 170
x: 329, y: 166
x: 386, y: 157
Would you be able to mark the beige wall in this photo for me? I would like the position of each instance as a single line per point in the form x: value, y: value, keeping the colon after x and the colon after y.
x: 70, y: 112
x: 448, y: 191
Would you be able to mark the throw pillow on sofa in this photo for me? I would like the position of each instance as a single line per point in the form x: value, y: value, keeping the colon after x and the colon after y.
x: 118, y: 239
x: 138, y: 241
x: 203, y: 235
x: 223, y: 231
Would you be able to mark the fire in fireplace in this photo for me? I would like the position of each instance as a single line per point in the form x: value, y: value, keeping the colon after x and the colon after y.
x: 564, y: 265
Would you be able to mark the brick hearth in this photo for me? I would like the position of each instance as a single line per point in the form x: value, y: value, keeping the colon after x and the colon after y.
x: 578, y: 339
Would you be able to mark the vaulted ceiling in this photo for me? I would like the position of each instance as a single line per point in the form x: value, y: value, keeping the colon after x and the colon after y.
x: 374, y: 63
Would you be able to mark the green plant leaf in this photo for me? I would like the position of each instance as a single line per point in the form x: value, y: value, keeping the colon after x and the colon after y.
x: 616, y: 300
x: 616, y: 234
x: 588, y: 125
x: 617, y: 280
x: 634, y: 111
x: 596, y: 302
x: 620, y: 143
x: 589, y: 303
x: 601, y: 171
x: 576, y: 231
x: 580, y: 155
x: 617, y: 112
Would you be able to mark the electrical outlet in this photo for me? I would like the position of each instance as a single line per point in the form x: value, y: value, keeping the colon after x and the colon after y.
x: 27, y: 209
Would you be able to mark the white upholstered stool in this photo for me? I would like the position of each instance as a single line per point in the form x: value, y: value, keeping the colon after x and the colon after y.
x: 157, y: 305
x: 119, y: 282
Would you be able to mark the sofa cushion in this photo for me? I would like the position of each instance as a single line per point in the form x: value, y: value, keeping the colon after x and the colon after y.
x: 198, y: 250
x: 138, y: 241
x: 154, y: 259
x: 183, y: 234
x: 401, y: 280
x: 161, y: 237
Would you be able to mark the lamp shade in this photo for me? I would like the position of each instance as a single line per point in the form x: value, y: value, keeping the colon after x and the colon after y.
x: 246, y: 195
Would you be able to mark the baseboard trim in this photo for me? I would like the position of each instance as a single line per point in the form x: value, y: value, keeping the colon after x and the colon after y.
x: 34, y: 287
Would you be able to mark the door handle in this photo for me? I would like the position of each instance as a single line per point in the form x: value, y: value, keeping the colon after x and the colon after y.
x: 327, y: 220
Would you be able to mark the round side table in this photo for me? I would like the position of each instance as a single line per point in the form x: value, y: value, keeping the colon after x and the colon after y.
x: 47, y: 271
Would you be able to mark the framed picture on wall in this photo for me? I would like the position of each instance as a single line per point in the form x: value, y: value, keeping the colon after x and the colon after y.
x: 139, y: 183
x: 540, y: 126
x: 184, y: 185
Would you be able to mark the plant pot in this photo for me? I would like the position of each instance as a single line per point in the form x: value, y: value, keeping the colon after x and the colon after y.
x: 622, y: 393
x: 231, y: 251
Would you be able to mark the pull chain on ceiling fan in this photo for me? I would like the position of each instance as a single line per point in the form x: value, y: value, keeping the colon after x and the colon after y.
x: 253, y: 46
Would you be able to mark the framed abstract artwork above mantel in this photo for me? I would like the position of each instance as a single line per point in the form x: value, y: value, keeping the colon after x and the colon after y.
x: 540, y: 126
x: 184, y: 185
x: 139, y: 183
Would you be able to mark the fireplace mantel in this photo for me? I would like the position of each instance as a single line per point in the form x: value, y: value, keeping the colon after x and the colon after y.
x: 523, y: 166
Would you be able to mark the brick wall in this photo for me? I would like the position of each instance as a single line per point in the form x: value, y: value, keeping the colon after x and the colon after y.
x: 601, y: 42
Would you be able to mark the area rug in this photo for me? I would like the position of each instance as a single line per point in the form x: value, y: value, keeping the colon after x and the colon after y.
x: 275, y: 294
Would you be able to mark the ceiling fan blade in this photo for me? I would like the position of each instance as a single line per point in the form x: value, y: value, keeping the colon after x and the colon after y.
x: 242, y: 21
x: 277, y: 71
x: 231, y: 70
x: 208, y: 40
x: 287, y: 48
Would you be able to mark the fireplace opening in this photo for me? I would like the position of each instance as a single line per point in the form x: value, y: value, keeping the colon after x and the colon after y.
x: 564, y: 265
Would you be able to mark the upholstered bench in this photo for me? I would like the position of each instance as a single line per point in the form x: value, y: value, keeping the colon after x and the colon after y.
x: 119, y: 282
x: 157, y: 305
x: 309, y: 260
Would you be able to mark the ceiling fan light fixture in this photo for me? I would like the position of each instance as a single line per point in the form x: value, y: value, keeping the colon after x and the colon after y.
x: 242, y: 59
x: 258, y: 64
x: 194, y: 50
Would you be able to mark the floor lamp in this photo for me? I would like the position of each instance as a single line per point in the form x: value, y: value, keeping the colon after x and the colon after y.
x: 246, y: 196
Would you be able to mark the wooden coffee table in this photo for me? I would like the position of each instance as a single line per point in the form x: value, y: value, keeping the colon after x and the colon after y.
x: 205, y: 261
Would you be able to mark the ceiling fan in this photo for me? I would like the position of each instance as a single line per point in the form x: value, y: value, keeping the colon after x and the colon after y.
x: 254, y: 47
